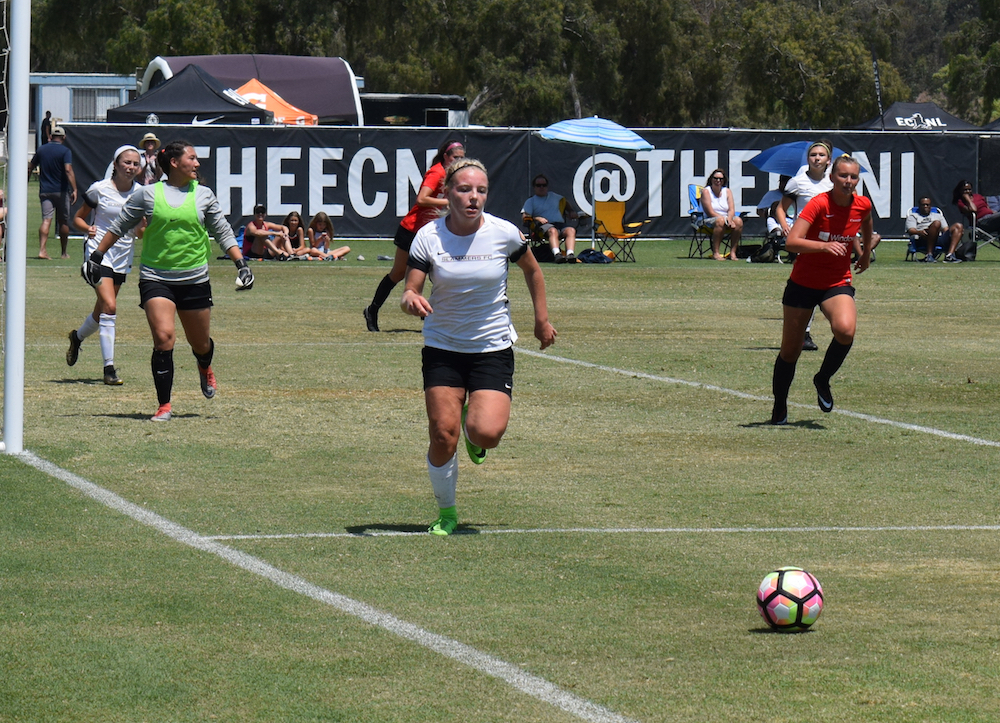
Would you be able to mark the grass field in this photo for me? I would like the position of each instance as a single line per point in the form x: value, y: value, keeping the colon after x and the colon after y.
x: 623, y: 524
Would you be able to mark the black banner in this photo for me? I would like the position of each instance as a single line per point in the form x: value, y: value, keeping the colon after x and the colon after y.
x: 367, y: 178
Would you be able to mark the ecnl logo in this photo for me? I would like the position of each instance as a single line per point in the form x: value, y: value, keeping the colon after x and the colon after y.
x: 918, y: 122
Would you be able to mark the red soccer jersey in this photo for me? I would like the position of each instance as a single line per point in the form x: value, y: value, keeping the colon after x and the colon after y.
x: 422, y: 215
x: 829, y: 222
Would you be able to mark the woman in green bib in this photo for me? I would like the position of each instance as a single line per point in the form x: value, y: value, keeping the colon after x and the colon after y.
x: 173, y: 271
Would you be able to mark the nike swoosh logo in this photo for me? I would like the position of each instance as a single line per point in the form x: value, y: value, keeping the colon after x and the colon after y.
x: 196, y: 122
x: 829, y: 215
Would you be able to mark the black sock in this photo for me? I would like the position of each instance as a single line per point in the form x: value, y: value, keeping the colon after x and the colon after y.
x: 205, y: 360
x: 781, y: 380
x: 385, y: 287
x: 836, y: 353
x: 162, y: 364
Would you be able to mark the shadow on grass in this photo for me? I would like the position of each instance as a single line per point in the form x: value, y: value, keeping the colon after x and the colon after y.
x: 89, y: 382
x: 764, y: 630
x: 365, y: 530
x: 802, y: 424
x: 145, y: 416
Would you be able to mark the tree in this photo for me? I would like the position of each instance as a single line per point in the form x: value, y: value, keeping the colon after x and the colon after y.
x: 798, y: 74
x: 972, y: 76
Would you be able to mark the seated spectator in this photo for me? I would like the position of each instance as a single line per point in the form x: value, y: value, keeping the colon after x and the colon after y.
x: 320, y: 233
x: 267, y: 240
x: 975, y: 208
x: 927, y: 223
x: 720, y: 212
x: 545, y: 209
x: 774, y: 228
x: 296, y: 231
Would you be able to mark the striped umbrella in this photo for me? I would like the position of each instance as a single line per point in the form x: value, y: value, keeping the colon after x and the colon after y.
x: 594, y: 132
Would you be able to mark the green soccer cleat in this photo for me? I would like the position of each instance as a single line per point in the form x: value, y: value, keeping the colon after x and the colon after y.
x: 445, y: 524
x: 476, y: 454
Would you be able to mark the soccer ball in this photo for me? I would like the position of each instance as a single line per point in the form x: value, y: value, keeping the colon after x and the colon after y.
x: 790, y: 599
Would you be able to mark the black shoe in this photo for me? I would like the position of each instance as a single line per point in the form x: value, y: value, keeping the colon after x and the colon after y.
x: 371, y: 318
x: 208, y: 383
x: 779, y: 415
x: 111, y: 377
x: 824, y: 397
x: 808, y: 344
x: 73, y: 353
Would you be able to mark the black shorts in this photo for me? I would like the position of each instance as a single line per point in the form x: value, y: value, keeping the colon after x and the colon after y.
x: 186, y: 297
x: 109, y: 273
x: 404, y: 238
x: 802, y: 297
x: 492, y: 370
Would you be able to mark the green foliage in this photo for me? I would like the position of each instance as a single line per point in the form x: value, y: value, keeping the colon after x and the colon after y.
x: 793, y: 69
x: 794, y: 63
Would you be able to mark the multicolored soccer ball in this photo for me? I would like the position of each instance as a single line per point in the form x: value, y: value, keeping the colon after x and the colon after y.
x: 790, y: 599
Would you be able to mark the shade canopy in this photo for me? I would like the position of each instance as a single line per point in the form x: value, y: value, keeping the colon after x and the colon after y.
x: 284, y: 112
x: 326, y: 87
x: 920, y: 117
x: 192, y: 96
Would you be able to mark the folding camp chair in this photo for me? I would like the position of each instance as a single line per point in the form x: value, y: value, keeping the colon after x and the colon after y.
x: 916, y: 244
x: 978, y: 235
x: 613, y: 234
x: 701, y: 230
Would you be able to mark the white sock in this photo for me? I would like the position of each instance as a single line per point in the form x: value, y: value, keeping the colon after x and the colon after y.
x: 444, y: 480
x: 108, y: 338
x: 88, y: 327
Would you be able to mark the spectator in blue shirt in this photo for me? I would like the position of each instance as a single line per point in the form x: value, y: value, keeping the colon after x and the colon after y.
x: 56, y: 188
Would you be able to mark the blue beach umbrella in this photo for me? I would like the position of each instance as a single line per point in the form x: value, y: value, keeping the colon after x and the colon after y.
x: 595, y: 132
x: 787, y: 159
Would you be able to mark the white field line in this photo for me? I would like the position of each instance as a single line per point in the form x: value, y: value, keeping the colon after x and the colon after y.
x: 529, y: 684
x: 627, y: 530
x: 753, y: 397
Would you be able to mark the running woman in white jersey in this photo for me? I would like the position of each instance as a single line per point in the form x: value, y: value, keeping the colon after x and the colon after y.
x: 105, y: 199
x: 468, y: 360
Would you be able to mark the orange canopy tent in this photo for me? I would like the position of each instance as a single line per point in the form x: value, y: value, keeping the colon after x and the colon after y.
x: 284, y: 112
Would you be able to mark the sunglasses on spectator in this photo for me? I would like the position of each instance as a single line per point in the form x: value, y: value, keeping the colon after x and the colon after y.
x: 541, y: 185
x: 717, y: 178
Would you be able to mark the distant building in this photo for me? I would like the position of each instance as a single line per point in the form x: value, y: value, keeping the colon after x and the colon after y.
x: 77, y: 97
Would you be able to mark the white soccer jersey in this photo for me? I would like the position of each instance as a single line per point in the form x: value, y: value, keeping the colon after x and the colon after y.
x: 803, y: 188
x: 469, y: 284
x: 107, y: 202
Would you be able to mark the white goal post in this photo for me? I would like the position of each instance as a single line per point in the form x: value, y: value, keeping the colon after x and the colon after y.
x: 18, y: 25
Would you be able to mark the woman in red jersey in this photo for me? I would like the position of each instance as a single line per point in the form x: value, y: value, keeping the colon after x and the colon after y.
x: 824, y: 234
x: 430, y: 204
